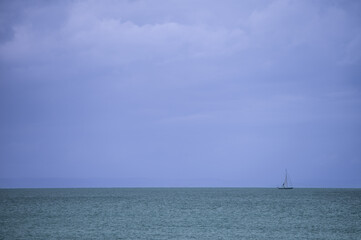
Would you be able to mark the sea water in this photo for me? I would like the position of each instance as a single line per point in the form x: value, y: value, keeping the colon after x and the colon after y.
x: 180, y: 213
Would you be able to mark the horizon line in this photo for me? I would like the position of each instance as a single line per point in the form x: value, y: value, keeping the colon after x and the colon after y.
x: 155, y: 187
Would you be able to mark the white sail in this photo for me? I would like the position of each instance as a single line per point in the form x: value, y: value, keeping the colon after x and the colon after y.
x: 285, y: 183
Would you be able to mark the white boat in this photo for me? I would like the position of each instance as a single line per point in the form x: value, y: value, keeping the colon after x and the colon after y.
x: 285, y: 184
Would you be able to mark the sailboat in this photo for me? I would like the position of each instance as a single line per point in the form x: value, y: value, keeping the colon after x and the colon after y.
x: 285, y: 183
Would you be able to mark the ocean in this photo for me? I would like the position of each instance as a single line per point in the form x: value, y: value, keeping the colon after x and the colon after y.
x: 180, y: 213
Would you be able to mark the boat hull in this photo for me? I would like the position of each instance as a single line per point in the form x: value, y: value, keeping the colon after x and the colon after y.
x: 285, y: 188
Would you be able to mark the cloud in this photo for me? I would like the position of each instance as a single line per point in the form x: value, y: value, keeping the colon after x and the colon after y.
x: 99, y: 34
x: 103, y: 40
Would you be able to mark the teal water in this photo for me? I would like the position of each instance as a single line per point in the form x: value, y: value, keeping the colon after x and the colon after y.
x: 180, y: 213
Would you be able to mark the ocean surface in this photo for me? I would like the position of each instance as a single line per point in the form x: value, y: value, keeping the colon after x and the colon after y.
x: 180, y: 213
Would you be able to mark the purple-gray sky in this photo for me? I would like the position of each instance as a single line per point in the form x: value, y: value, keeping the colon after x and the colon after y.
x: 180, y: 93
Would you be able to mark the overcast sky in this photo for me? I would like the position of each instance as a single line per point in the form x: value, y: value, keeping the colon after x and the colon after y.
x: 180, y: 93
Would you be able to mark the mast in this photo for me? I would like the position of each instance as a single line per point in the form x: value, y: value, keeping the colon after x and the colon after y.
x: 285, y: 183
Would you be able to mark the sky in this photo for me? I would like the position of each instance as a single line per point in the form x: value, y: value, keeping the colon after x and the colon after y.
x: 180, y: 93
